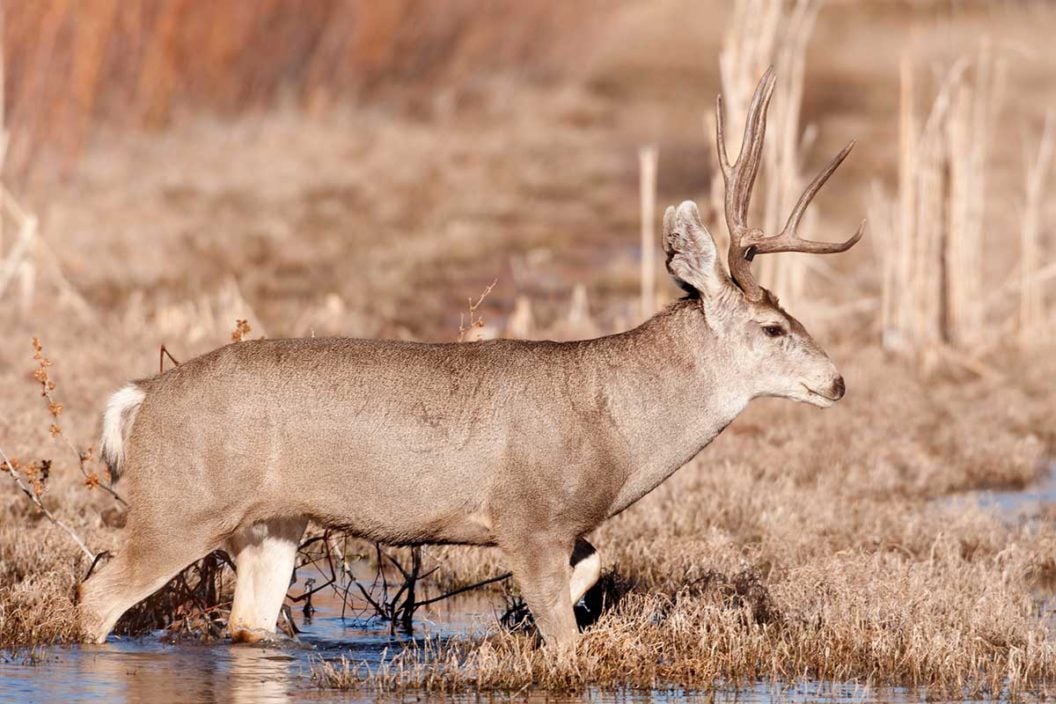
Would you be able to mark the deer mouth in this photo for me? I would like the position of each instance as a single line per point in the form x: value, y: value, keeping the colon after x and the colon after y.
x: 818, y: 399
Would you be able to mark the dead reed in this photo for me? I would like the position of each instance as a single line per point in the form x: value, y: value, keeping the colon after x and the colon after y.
x: 1033, y: 326
x: 73, y: 66
x: 942, y: 300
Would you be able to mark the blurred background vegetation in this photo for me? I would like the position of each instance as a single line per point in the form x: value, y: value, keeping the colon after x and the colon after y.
x: 364, y: 168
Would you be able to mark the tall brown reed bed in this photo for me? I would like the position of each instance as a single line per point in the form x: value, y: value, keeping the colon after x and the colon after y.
x: 130, y: 63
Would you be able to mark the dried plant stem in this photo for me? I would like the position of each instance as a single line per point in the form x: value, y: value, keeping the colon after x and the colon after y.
x: 974, y: 109
x: 647, y: 165
x: 469, y: 323
x: 931, y: 243
x: 32, y: 496
x: 47, y: 386
x: 23, y: 246
x: 1031, y: 299
x: 20, y: 260
x: 467, y: 588
x: 163, y: 352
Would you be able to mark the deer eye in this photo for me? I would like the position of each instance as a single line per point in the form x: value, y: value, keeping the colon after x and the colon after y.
x: 773, y: 330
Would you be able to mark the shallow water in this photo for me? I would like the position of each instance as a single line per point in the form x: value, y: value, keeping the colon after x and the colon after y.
x: 147, y: 669
x: 1024, y: 504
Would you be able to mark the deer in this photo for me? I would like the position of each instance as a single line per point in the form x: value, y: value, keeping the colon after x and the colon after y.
x: 527, y: 446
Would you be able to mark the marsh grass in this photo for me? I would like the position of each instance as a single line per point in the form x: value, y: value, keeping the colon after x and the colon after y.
x: 952, y: 622
x: 945, y: 625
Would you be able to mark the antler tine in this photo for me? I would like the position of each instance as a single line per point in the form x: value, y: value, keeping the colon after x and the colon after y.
x: 720, y: 139
x: 788, y: 239
x: 755, y: 128
x: 740, y: 177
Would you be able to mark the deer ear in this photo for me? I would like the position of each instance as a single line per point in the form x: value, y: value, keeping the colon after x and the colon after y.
x: 692, y: 258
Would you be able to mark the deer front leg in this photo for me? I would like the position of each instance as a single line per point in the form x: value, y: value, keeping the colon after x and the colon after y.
x: 543, y: 572
x: 586, y: 569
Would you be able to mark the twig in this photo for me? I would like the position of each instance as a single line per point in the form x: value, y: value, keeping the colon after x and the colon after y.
x: 647, y: 164
x: 474, y: 320
x: 20, y: 250
x: 46, y: 253
x: 47, y: 386
x: 462, y: 590
x: 162, y: 354
x: 302, y: 548
x: 10, y: 469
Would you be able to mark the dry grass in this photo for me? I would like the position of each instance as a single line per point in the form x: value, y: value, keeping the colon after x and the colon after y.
x: 40, y: 570
x: 946, y: 625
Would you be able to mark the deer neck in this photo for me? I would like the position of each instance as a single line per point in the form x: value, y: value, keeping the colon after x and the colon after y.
x: 670, y: 388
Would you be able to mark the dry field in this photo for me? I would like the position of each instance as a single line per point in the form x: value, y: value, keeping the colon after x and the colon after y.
x: 842, y: 545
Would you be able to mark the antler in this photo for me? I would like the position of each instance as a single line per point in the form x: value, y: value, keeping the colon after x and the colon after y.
x: 745, y: 241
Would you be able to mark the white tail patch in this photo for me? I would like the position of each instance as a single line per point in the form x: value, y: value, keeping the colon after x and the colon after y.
x: 120, y: 413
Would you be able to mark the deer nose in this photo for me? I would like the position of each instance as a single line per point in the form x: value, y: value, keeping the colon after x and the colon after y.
x: 838, y: 388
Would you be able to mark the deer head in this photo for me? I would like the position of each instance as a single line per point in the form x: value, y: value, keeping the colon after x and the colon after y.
x: 767, y: 349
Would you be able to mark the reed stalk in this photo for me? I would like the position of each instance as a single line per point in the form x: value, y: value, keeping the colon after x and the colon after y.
x: 931, y: 240
x: 647, y: 165
x: 1032, y: 315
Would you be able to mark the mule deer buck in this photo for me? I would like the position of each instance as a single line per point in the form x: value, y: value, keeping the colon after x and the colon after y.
x: 524, y: 445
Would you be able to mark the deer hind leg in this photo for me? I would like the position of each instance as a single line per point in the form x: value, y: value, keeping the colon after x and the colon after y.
x: 151, y: 558
x: 586, y: 569
x: 264, y: 555
x: 543, y: 572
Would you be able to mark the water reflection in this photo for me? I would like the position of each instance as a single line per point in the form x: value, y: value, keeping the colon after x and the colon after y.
x: 1027, y: 503
x: 149, y: 670
x: 258, y: 675
x: 145, y: 670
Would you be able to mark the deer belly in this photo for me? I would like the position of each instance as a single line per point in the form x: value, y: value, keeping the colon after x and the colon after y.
x: 396, y: 505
